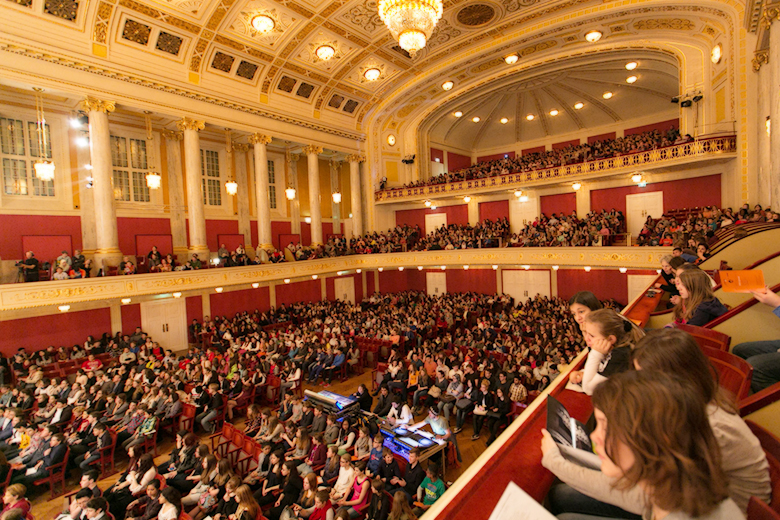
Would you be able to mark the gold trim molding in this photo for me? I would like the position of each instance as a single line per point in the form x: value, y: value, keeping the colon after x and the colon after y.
x: 356, y: 158
x: 96, y: 105
x: 312, y: 149
x: 259, y: 139
x: 760, y: 58
x: 190, y: 124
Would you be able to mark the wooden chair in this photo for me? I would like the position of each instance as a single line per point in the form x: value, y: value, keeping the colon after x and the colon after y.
x: 56, y: 475
x: 187, y: 418
x: 759, y: 400
x: 171, y: 427
x: 734, y: 373
x: 771, y: 446
x: 106, y: 461
x: 708, y: 337
x: 759, y: 510
x: 150, y: 443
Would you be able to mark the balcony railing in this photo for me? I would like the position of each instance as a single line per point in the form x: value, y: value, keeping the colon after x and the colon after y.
x: 702, y: 149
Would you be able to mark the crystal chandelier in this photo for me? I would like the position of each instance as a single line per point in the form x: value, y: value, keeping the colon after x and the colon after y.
x: 411, y: 22
x: 153, y: 179
x: 44, y: 168
x: 231, y: 186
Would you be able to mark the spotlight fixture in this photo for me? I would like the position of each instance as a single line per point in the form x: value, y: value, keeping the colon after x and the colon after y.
x: 466, y: 199
x: 381, y: 269
x: 518, y: 193
x: 631, y: 79
x: 419, y: 268
x: 686, y: 104
x: 125, y: 301
x: 255, y: 285
x: 219, y: 289
x: 554, y: 112
x: 631, y: 65
x: 622, y: 270
x: 504, y: 120
x: 372, y: 74
x: 358, y: 271
x: 511, y: 59
x: 465, y: 267
x: 290, y: 193
x: 697, y: 98
x: 526, y: 267
x: 587, y: 268
x: 658, y: 271
x: 428, y: 203
x: 444, y: 268
x: 607, y: 95
x: 675, y: 99
x: 578, y: 105
x: 64, y: 308
x: 433, y: 207
x: 555, y: 268
x: 325, y: 52
x: 286, y: 280
x: 263, y: 23
x: 530, y: 117
x: 401, y: 268
x: 336, y: 197
x: 231, y: 186
x: 495, y: 267
x: 307, y: 220
x: 314, y: 276
x: 177, y: 295
x: 593, y: 36
x: 457, y: 114
x: 637, y: 177
x: 447, y: 85
x: 576, y: 186
x: 475, y: 119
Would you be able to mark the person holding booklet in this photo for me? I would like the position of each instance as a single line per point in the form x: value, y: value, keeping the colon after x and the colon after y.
x: 587, y: 491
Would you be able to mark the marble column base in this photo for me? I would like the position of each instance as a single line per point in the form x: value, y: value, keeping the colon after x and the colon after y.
x: 105, y: 258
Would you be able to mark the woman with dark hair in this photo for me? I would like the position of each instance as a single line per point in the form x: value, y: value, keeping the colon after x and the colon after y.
x: 291, y: 489
x: 580, y: 305
x: 170, y: 498
x: 139, y: 475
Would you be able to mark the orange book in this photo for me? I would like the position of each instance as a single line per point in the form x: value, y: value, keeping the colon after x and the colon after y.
x: 742, y: 281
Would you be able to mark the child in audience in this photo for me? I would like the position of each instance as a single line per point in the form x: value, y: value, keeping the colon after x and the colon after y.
x: 610, y: 338
x: 698, y: 305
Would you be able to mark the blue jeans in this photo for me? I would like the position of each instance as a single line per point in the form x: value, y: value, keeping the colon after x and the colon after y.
x: 765, y: 360
x: 566, y: 501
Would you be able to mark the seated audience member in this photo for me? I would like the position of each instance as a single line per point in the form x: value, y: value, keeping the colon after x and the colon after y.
x: 126, y: 266
x: 170, y: 498
x: 14, y: 498
x: 357, y: 499
x: 37, y: 468
x: 248, y: 507
x: 430, y: 490
x: 194, y: 262
x: 64, y: 258
x: 400, y: 509
x: 698, y: 305
x: 610, y: 338
x: 140, y: 473
x: 154, y: 258
x: 379, y: 507
x: 763, y: 356
x: 97, y: 509
x: 149, y: 503
x: 76, y: 510
x: 60, y: 274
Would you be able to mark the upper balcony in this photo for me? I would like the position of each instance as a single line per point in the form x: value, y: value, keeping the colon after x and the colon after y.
x: 716, y: 148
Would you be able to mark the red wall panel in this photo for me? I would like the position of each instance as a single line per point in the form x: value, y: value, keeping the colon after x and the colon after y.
x: 280, y: 228
x: 685, y: 193
x: 495, y: 156
x: 564, y: 144
x: 536, y: 149
x: 604, y: 283
x: 229, y: 303
x: 662, y: 127
x: 561, y: 203
x: 194, y: 308
x: 456, y: 161
x: 16, y: 226
x: 253, y: 232
x: 370, y: 285
x: 214, y: 228
x: 306, y: 291
x: 474, y: 280
x: 231, y: 241
x: 131, y: 317
x: 63, y: 329
x: 47, y: 247
x: 128, y: 228
x: 144, y: 244
x: 305, y: 234
x: 455, y: 215
x: 437, y: 154
x: 393, y: 281
x: 602, y: 137
x: 494, y: 210
x: 416, y: 280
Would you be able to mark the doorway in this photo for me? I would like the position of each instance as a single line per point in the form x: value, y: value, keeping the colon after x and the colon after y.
x: 522, y: 213
x: 434, y: 221
x: 638, y: 284
x: 436, y: 283
x: 345, y: 289
x: 165, y: 321
x: 640, y: 206
x: 524, y: 285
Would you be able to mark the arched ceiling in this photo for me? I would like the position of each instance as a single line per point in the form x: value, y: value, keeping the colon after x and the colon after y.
x: 505, y: 106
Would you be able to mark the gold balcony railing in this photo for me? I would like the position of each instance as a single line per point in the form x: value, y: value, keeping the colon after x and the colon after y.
x: 711, y: 148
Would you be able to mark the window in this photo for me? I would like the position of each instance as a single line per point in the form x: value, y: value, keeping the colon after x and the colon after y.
x: 128, y: 157
x: 19, y: 160
x: 212, y: 187
x: 272, y: 184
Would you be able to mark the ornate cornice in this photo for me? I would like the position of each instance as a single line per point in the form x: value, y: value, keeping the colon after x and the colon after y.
x: 356, y: 158
x: 96, y: 105
x: 259, y: 139
x: 171, y: 135
x: 312, y: 149
x: 241, y: 147
x: 760, y: 58
x: 190, y: 124
x: 771, y: 14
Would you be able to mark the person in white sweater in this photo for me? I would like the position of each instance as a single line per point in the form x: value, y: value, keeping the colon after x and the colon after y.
x: 344, y: 482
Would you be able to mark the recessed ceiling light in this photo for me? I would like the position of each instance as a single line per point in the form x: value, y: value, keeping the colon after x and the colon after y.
x: 447, y: 85
x: 457, y: 114
x: 553, y: 112
x: 530, y: 117
x: 391, y: 140
x: 716, y: 54
x: 511, y: 59
x: 475, y: 119
x: 631, y: 79
x: 263, y: 23
x: 631, y: 65
x: 607, y: 95
x: 593, y: 36
x: 372, y: 74
x: 504, y: 120
x: 578, y: 105
x: 325, y: 52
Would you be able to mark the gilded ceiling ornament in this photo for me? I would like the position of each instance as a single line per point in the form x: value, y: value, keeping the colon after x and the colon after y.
x: 102, y: 19
x: 443, y: 33
x: 676, y: 24
x: 171, y: 135
x: 515, y: 5
x: 169, y: 43
x: 475, y: 14
x: 259, y: 139
x: 358, y: 158
x: 760, y: 58
x: 65, y: 9
x: 136, y: 32
x: 365, y: 16
x: 312, y: 149
x: 190, y: 124
x: 770, y: 15
x: 241, y: 147
x: 96, y: 105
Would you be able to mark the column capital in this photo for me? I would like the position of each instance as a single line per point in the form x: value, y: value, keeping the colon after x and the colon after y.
x: 241, y: 147
x: 355, y: 157
x: 259, y: 139
x: 312, y: 149
x: 335, y: 162
x: 187, y: 123
x: 760, y: 58
x: 171, y: 135
x: 292, y: 157
x: 96, y: 105
x: 771, y: 14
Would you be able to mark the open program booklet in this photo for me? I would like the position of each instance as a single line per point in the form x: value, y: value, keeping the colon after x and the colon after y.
x: 516, y: 504
x: 572, y: 437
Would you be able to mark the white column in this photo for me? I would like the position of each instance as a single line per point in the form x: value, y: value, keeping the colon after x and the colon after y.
x: 86, y: 199
x: 107, y: 251
x: 312, y: 153
x: 264, y: 237
x: 176, y: 193
x: 473, y: 211
x: 242, y: 195
x: 192, y: 172
x: 335, y: 211
x: 583, y: 200
x: 354, y: 193
x: 295, y: 204
x: 771, y: 15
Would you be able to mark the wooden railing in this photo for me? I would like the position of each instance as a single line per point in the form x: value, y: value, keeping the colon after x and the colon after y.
x: 705, y: 148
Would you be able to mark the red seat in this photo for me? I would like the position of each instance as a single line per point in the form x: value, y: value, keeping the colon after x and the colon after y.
x: 734, y: 373
x: 759, y: 510
x: 707, y: 337
x: 771, y: 446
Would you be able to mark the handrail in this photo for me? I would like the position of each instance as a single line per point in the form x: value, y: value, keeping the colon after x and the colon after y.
x: 736, y: 310
x: 700, y: 148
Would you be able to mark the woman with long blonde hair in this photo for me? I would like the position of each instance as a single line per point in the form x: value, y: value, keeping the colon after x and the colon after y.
x: 698, y: 305
x: 247, y: 505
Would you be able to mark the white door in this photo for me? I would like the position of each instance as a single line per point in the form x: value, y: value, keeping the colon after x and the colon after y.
x: 523, y: 285
x: 437, y: 168
x: 165, y: 321
x: 638, y: 284
x: 345, y: 289
x: 641, y: 205
x: 437, y: 283
x: 521, y: 213
x: 434, y: 221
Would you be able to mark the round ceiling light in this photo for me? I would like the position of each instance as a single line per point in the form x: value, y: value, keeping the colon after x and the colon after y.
x: 475, y: 119
x: 504, y: 120
x: 391, y: 140
x: 457, y: 114
x: 576, y: 186
x: 593, y: 36
x: 447, y: 85
x: 530, y: 117
x: 607, y: 95
x: 716, y: 54
x: 372, y: 74
x: 631, y: 65
x: 325, y: 52
x: 511, y: 59
x: 263, y: 23
x: 631, y: 79
x: 553, y: 112
x: 578, y: 105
